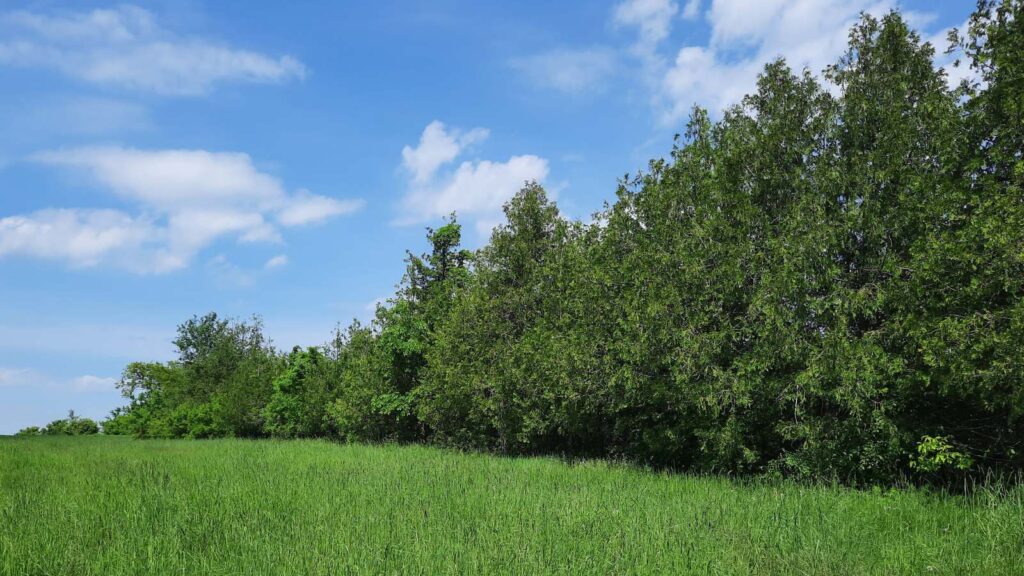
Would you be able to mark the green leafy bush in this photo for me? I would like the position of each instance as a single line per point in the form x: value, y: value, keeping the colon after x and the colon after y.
x: 935, y: 454
x: 73, y: 425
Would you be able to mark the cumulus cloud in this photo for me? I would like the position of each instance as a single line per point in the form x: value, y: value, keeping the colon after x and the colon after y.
x: 745, y: 35
x: 571, y: 71
x: 305, y: 208
x: 475, y: 188
x: 438, y: 146
x: 651, y: 18
x: 82, y: 237
x: 276, y: 262
x: 185, y: 199
x: 126, y: 47
x: 172, y: 178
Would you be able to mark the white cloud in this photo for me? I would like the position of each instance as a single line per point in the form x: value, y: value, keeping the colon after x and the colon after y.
x: 306, y: 208
x: 126, y: 47
x: 173, y: 178
x: 745, y: 35
x: 82, y: 237
x: 476, y: 188
x: 479, y: 187
x: 186, y: 200
x: 276, y: 262
x: 698, y: 77
x: 89, y: 383
x: 570, y: 71
x: 437, y: 147
x: 651, y: 18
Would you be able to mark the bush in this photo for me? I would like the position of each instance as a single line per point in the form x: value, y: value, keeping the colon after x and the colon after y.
x: 73, y: 425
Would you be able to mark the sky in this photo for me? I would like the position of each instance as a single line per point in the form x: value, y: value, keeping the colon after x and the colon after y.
x: 165, y: 159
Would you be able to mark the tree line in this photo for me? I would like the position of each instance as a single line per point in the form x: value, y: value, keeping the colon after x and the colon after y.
x: 825, y: 283
x: 73, y: 425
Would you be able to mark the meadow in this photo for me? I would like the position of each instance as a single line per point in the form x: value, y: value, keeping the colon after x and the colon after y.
x: 111, y: 506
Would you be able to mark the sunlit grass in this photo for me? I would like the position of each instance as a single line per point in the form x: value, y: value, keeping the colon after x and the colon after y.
x: 116, y: 506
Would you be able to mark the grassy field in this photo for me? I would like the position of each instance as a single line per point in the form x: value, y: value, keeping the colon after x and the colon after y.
x: 115, y: 506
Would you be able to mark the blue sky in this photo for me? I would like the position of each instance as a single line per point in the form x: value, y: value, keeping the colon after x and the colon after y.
x: 169, y: 158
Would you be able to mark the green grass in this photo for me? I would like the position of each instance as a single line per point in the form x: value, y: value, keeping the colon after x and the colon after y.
x: 115, y: 506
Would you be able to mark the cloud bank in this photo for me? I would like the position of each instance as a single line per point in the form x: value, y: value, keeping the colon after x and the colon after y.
x: 185, y: 200
x: 742, y: 36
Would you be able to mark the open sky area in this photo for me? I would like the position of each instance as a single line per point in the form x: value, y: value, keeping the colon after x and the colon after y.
x: 169, y: 158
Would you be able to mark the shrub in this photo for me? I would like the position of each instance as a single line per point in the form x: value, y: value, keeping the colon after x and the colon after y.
x: 73, y: 425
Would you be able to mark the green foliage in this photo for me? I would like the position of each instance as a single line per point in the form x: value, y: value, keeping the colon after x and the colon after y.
x: 935, y: 453
x: 298, y: 406
x: 121, y: 422
x: 219, y: 386
x: 73, y: 425
x: 826, y: 282
x: 485, y: 386
x: 380, y: 367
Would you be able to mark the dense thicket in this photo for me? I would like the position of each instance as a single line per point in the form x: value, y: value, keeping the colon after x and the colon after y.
x: 827, y: 282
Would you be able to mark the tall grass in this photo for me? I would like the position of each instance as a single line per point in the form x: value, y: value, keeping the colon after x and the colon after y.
x: 115, y: 506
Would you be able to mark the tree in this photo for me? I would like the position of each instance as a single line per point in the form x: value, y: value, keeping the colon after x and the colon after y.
x: 382, y: 366
x: 73, y: 425
x: 475, y: 391
x: 219, y: 385
x: 228, y: 370
x: 302, y: 393
x: 968, y: 324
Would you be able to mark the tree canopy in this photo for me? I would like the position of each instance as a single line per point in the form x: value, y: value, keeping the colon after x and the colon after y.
x: 827, y: 282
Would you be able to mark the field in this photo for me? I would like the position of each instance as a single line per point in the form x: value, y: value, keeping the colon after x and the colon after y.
x: 115, y: 506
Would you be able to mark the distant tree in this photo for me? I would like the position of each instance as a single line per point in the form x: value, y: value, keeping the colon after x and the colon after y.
x: 73, y: 425
x: 228, y: 369
x: 219, y: 386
